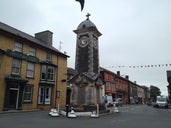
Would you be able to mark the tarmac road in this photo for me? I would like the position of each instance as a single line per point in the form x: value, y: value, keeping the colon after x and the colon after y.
x: 131, y: 116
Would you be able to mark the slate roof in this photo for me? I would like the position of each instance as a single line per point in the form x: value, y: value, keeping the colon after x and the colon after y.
x: 18, y: 33
x: 86, y: 24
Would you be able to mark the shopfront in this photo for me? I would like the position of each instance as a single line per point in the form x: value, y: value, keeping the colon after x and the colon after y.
x: 14, y: 93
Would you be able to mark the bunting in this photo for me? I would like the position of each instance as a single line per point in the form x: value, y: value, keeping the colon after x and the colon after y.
x: 142, y: 66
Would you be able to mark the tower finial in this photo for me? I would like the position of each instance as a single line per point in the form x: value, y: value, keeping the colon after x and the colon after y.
x: 88, y: 14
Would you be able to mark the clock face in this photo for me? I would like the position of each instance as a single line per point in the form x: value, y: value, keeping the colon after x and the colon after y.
x: 83, y: 41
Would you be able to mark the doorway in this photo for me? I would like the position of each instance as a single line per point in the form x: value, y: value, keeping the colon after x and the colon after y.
x: 14, y: 92
x: 13, y: 99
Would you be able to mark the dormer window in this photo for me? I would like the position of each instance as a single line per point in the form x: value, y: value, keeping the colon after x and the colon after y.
x: 18, y: 47
x: 49, y: 57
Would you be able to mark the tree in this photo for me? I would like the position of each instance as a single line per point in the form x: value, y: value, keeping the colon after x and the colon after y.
x: 154, y: 92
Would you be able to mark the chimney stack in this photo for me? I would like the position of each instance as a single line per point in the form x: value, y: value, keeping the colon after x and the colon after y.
x: 118, y: 73
x: 127, y: 77
x: 45, y: 36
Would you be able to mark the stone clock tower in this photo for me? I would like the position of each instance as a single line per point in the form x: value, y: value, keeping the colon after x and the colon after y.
x: 87, y: 47
x: 86, y: 85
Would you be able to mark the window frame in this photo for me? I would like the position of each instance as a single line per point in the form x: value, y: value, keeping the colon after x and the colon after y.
x: 29, y: 94
x: 32, y: 51
x: 30, y: 70
x: 16, y: 65
x: 48, y: 72
x: 45, y: 95
x: 49, y: 57
x: 18, y: 47
x: 43, y: 71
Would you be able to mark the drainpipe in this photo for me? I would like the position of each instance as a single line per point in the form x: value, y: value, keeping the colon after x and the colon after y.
x: 56, y: 82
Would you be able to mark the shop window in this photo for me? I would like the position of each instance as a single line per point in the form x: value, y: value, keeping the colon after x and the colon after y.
x: 44, y: 95
x: 28, y: 93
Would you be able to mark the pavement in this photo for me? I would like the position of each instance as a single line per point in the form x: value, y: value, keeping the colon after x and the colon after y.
x: 62, y: 112
x: 35, y: 110
x: 18, y: 111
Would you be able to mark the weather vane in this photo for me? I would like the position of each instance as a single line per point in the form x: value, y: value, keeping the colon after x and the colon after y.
x: 81, y: 3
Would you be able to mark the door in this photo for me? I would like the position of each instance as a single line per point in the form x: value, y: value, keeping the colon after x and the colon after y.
x: 13, y: 99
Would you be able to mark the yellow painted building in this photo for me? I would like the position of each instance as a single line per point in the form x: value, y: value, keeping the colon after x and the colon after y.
x: 32, y: 72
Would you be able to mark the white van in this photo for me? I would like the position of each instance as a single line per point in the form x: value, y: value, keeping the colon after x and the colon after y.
x: 161, y: 101
x: 108, y: 100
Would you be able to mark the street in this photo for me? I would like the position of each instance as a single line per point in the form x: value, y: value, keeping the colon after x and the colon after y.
x: 130, y: 116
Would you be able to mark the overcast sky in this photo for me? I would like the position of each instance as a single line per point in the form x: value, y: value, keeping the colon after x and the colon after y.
x: 134, y: 32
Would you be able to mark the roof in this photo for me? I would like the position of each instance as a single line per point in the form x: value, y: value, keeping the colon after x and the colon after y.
x: 118, y: 76
x: 87, y: 75
x: 20, y: 34
x: 86, y: 24
x: 71, y: 71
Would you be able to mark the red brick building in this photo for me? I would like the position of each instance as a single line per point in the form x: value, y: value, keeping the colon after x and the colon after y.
x: 115, y: 85
x: 122, y: 87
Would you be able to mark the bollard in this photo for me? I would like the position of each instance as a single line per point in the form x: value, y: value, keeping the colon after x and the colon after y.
x: 72, y: 114
x: 67, y: 110
x: 51, y: 111
x: 55, y: 113
x: 95, y: 113
x: 115, y: 109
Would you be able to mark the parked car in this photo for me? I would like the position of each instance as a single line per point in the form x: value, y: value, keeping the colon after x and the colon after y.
x: 149, y: 103
x: 154, y: 104
x: 118, y: 102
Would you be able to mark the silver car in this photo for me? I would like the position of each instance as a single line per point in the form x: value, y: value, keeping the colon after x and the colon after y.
x: 118, y: 102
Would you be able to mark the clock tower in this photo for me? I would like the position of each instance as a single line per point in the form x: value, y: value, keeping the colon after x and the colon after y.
x: 87, y: 47
x: 87, y: 84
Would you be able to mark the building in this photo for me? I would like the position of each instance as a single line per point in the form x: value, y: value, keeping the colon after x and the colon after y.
x: 86, y: 85
x: 146, y: 94
x: 133, y: 96
x: 122, y: 85
x: 32, y: 71
x: 109, y: 79
x: 169, y: 86
x: 115, y: 85
x: 140, y: 94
